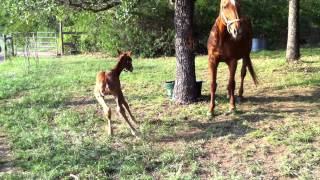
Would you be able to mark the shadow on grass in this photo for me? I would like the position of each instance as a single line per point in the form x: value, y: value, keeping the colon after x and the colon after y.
x: 82, y: 102
x: 237, y: 126
x: 286, y: 104
x: 6, y: 163
x: 86, y: 101
x: 313, y: 98
x: 219, y: 98
x: 309, y: 62
x: 307, y: 69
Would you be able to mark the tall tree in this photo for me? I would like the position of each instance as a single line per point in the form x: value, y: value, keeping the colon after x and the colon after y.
x: 185, y: 84
x: 184, y: 89
x: 293, y: 48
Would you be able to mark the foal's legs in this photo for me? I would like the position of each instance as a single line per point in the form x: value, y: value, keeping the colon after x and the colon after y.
x: 213, y: 66
x: 243, y: 75
x: 232, y: 65
x: 122, y: 113
x: 106, y: 110
x: 126, y: 106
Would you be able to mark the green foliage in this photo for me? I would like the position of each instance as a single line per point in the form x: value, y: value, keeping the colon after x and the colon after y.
x: 146, y: 27
x: 309, y: 11
x: 28, y: 16
x: 131, y: 26
x: 269, y: 19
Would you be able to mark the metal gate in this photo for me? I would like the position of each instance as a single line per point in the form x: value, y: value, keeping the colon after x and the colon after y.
x: 2, y: 55
x: 6, y: 47
x: 35, y: 43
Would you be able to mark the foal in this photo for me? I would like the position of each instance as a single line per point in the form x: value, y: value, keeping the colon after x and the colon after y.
x: 108, y: 83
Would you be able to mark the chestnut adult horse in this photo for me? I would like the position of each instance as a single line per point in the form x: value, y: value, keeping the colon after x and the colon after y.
x: 230, y: 39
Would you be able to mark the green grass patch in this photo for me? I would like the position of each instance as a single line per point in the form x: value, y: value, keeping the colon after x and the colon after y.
x: 56, y: 128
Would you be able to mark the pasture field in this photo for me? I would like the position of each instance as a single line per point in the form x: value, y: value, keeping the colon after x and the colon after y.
x: 55, y: 128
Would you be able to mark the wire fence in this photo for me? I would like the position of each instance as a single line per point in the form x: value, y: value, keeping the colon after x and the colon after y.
x: 37, y: 43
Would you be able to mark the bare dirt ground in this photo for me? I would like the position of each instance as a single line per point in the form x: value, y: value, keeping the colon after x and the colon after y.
x: 233, y: 149
x: 6, y: 160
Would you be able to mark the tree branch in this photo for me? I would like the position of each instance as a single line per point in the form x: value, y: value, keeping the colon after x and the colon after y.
x: 90, y: 5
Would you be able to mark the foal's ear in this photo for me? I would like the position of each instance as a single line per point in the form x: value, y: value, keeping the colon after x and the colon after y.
x: 129, y: 53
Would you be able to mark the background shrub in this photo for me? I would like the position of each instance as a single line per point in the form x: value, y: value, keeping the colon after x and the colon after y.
x: 146, y: 27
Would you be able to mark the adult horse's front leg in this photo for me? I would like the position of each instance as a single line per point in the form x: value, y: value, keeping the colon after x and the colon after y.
x: 232, y: 65
x: 213, y: 66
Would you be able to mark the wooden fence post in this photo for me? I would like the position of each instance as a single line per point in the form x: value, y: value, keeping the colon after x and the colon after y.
x: 61, y: 38
x: 12, y: 47
x: 5, y: 46
x: 57, y: 42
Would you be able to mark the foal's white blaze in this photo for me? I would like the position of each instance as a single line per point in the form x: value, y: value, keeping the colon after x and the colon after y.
x: 233, y: 2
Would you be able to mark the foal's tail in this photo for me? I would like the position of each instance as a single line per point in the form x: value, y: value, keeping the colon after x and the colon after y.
x: 252, y: 73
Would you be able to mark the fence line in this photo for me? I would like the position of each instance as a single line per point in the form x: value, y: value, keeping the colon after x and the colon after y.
x: 41, y: 43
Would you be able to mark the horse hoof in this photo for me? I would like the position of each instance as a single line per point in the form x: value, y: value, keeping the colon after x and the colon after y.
x: 210, y: 114
x: 136, y: 134
x: 239, y: 99
x: 110, y: 134
x: 230, y: 112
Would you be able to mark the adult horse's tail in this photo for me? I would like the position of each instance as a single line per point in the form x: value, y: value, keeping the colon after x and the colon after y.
x: 252, y: 73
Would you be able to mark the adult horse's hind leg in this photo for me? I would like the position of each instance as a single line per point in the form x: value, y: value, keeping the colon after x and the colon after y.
x: 232, y: 65
x: 243, y: 75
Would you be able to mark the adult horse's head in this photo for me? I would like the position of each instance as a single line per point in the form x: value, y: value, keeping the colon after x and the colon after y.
x: 230, y: 15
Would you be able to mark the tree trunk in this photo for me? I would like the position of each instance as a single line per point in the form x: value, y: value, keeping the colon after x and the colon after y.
x: 185, y: 84
x: 293, y: 48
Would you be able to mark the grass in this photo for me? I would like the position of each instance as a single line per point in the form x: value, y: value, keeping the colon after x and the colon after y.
x: 56, y: 129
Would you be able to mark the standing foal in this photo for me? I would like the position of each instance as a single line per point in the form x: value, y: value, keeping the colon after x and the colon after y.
x: 108, y: 83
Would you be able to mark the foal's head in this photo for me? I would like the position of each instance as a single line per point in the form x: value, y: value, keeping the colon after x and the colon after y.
x: 230, y: 14
x: 125, y: 60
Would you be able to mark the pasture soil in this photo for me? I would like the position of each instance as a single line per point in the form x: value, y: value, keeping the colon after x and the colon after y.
x: 6, y: 159
x: 56, y: 129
